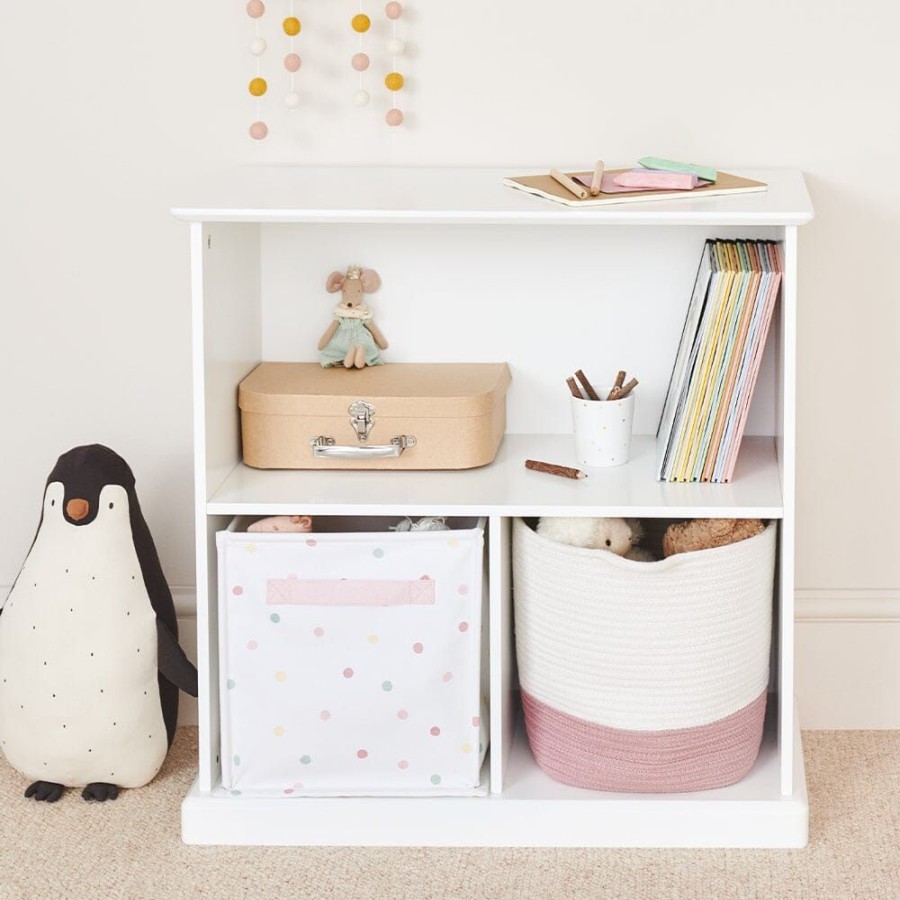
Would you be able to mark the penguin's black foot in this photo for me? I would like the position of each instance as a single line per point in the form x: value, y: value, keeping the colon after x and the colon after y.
x: 100, y: 790
x: 48, y: 791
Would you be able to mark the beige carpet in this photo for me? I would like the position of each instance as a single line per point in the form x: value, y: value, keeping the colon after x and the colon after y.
x: 132, y: 849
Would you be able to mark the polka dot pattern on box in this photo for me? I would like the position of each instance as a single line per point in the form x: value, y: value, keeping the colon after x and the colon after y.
x: 361, y: 695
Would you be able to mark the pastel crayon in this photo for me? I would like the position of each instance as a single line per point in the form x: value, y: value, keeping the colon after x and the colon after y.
x: 663, y: 181
x: 707, y: 173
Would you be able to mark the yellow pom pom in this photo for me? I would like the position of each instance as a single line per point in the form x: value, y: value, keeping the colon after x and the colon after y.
x: 360, y: 23
x: 258, y: 87
x: 393, y: 81
x: 291, y: 25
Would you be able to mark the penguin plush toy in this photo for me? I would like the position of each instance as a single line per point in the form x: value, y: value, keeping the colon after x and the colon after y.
x: 90, y: 665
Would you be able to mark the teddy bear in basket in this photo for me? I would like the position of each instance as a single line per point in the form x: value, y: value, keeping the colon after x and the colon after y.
x: 619, y: 536
x: 353, y: 339
x: 704, y: 534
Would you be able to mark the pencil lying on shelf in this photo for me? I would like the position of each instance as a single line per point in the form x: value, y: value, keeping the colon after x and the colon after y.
x: 554, y: 469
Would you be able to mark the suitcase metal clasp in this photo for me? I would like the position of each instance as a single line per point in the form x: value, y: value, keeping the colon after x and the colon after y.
x: 361, y: 416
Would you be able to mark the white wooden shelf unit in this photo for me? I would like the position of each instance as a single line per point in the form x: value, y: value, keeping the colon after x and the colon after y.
x: 474, y: 271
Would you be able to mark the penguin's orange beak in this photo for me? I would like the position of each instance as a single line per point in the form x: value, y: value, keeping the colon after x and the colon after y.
x: 77, y: 509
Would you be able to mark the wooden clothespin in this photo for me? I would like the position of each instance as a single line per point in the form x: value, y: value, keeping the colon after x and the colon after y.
x: 597, y: 180
x: 572, y: 186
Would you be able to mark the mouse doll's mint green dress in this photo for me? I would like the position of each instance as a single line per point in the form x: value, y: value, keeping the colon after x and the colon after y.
x: 351, y: 332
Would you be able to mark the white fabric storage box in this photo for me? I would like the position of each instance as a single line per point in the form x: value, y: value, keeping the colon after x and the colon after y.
x: 643, y: 676
x: 351, y: 659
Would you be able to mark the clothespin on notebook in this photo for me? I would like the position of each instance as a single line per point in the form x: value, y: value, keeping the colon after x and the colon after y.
x: 572, y: 186
x: 597, y: 180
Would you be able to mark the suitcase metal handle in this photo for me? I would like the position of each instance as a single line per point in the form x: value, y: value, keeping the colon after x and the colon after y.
x: 323, y: 446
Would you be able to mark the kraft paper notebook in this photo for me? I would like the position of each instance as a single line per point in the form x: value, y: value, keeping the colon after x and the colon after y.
x: 550, y: 189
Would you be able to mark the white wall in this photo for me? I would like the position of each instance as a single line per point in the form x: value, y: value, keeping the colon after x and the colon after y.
x: 108, y: 107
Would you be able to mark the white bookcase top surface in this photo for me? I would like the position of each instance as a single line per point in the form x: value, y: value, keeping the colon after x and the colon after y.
x: 463, y: 195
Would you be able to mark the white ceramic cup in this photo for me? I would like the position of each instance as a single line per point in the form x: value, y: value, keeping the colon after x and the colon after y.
x: 602, y: 430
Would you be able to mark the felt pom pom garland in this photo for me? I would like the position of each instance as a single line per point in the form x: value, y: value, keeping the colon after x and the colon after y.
x: 257, y: 86
x: 361, y: 24
x: 394, y: 80
x: 290, y: 25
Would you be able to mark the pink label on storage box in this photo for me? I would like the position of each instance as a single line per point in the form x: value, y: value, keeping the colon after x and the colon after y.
x: 347, y: 592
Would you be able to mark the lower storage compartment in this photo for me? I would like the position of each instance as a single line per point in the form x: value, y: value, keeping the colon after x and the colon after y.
x: 643, y: 676
x: 351, y: 659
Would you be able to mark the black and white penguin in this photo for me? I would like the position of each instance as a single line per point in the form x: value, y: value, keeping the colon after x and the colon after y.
x: 90, y: 664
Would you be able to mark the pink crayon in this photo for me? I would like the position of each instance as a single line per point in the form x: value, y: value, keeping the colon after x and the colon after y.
x: 666, y: 181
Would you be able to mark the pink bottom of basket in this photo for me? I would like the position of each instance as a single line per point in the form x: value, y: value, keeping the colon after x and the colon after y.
x: 586, y: 755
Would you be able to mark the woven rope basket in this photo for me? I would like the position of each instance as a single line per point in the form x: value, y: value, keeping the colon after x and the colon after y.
x: 641, y: 676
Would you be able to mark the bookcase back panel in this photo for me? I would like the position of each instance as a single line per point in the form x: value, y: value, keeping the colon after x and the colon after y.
x: 546, y: 299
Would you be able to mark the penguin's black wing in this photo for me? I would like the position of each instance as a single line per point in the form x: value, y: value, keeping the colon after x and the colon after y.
x: 173, y: 664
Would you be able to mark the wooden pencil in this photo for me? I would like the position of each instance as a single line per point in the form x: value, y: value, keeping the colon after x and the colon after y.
x: 553, y: 469
x: 622, y: 392
x: 588, y: 387
x: 573, y: 388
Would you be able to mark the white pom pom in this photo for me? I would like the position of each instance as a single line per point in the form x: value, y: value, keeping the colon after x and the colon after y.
x: 396, y: 47
x: 292, y: 99
x: 257, y: 46
x: 361, y: 98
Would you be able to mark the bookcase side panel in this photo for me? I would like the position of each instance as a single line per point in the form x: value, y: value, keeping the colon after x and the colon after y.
x: 226, y: 324
x: 232, y: 327
x: 786, y: 446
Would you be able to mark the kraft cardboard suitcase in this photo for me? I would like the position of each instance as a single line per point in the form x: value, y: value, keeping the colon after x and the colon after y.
x: 395, y: 416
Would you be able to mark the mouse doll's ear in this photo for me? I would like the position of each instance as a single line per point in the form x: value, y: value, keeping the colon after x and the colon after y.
x: 335, y: 282
x: 371, y: 280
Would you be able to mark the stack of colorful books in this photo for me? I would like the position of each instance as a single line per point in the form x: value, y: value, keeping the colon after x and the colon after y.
x: 718, y: 360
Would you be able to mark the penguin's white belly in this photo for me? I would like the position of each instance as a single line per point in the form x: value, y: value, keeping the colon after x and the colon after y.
x: 79, y: 697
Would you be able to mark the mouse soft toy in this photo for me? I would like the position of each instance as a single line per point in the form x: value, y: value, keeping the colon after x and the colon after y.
x: 353, y: 339
x: 90, y: 666
x: 619, y: 536
x: 703, y: 534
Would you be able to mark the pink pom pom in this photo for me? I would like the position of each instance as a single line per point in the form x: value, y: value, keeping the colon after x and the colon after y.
x: 394, y: 117
x: 258, y: 130
x: 292, y: 62
x: 360, y: 62
x: 393, y: 10
x: 255, y: 9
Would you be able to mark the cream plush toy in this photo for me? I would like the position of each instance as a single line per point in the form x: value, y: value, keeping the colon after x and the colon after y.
x: 353, y: 339
x: 619, y: 536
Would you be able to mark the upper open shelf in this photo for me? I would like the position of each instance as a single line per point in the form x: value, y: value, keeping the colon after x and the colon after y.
x: 464, y: 196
